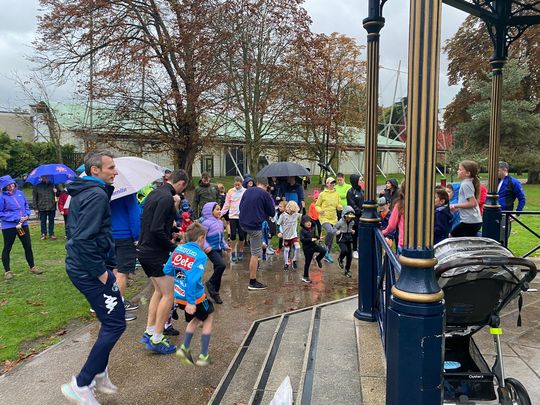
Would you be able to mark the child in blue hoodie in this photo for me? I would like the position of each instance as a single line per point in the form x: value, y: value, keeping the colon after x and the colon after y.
x: 186, y: 265
x: 215, y: 245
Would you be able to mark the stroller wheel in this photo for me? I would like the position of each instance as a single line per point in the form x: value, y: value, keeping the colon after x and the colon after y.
x: 515, y: 393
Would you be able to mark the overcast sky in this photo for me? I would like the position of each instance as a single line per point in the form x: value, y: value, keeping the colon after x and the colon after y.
x: 18, y: 29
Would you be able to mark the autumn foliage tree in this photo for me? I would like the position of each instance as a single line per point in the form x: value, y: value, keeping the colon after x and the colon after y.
x: 260, y: 35
x: 327, y: 95
x: 153, y: 63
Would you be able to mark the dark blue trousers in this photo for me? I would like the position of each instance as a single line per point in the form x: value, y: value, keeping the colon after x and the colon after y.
x: 43, y: 217
x: 106, y: 300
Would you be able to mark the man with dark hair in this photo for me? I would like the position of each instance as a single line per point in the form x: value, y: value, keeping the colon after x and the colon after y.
x: 256, y: 206
x: 89, y: 260
x: 154, y: 248
x: 205, y: 192
x: 44, y: 201
x: 509, y: 190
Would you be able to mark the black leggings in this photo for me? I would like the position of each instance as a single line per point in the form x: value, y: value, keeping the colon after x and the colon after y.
x: 308, y: 255
x: 463, y: 229
x: 9, y: 239
x: 216, y: 257
x: 318, y: 227
x: 346, y: 252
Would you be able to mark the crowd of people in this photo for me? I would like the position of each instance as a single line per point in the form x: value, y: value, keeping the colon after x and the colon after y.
x: 173, y: 240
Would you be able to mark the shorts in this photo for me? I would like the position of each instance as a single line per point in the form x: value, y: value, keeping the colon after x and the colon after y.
x: 290, y: 242
x: 203, y: 309
x: 126, y: 255
x: 153, y: 265
x: 255, y: 242
x: 235, y: 227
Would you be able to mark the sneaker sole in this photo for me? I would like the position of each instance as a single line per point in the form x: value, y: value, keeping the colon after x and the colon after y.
x: 132, y: 308
x: 152, y: 349
x: 106, y: 390
x: 256, y: 288
x: 183, y: 358
x: 70, y: 395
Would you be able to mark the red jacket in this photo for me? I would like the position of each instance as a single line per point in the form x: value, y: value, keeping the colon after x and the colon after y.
x: 62, y: 201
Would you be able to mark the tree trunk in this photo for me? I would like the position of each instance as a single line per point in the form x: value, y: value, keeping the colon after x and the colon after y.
x: 184, y: 158
x: 252, y: 155
x: 533, y: 177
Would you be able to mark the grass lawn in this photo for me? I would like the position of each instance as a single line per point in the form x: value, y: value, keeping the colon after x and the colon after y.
x: 35, y: 308
x: 521, y: 240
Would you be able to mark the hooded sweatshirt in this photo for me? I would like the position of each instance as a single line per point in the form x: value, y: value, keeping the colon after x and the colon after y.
x: 443, y: 223
x: 307, y: 235
x: 91, y: 248
x: 126, y: 219
x: 214, y: 228
x: 343, y: 227
x: 13, y: 205
x: 355, y: 196
x: 342, y: 192
x: 327, y: 204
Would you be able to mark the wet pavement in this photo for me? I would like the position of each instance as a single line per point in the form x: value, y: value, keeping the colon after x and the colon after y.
x: 146, y: 378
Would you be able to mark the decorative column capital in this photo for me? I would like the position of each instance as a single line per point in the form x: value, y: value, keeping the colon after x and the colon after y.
x: 373, y: 26
x: 497, y: 64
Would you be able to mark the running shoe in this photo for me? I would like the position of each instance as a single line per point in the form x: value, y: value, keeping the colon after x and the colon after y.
x: 340, y: 262
x: 184, y: 354
x: 130, y: 317
x: 104, y: 384
x: 355, y: 255
x: 234, y: 258
x: 8, y: 275
x: 328, y: 258
x: 306, y: 280
x: 145, y: 338
x: 286, y: 267
x: 348, y: 274
x: 319, y: 263
x: 79, y: 395
x: 240, y: 257
x: 256, y: 286
x: 129, y: 306
x: 294, y: 264
x: 270, y: 251
x: 203, y: 360
x: 161, y: 347
x: 170, y: 331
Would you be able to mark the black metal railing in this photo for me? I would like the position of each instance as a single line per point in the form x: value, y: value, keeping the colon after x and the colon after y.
x: 388, y: 269
x: 509, y: 217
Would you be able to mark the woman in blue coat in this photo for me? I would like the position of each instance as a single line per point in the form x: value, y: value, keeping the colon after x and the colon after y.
x: 14, y: 213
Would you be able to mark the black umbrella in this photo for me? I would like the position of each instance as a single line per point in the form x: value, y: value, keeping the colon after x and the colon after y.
x: 283, y: 169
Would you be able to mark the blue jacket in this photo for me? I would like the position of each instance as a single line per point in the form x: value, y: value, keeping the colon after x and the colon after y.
x: 126, y: 221
x: 91, y: 247
x: 186, y: 265
x: 13, y: 206
x: 443, y: 223
x: 256, y: 206
x: 509, y: 190
x: 215, y: 231
x: 292, y: 193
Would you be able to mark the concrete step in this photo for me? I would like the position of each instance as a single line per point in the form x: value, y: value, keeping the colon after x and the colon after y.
x: 316, y: 347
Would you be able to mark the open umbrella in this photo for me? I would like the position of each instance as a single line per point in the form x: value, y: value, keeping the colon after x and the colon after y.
x: 283, y: 169
x: 57, y: 173
x: 133, y: 174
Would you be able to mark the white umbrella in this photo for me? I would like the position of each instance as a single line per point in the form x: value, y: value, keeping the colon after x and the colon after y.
x: 133, y: 174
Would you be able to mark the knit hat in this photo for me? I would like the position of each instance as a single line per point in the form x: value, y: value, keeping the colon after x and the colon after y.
x: 316, y: 193
x: 382, y: 201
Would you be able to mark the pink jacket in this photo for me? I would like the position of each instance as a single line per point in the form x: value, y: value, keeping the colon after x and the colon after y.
x: 396, y: 220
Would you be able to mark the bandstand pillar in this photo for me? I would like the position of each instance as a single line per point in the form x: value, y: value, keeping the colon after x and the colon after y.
x: 369, y: 221
x: 415, y: 317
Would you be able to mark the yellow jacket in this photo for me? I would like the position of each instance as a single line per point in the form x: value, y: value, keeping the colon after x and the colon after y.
x: 327, y: 204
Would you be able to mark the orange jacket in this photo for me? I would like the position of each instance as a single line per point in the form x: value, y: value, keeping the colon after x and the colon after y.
x: 312, y: 212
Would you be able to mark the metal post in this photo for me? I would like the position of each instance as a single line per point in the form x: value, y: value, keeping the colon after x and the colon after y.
x: 415, y: 338
x: 367, y: 266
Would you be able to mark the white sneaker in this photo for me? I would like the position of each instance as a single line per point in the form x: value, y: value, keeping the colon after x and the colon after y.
x: 104, y: 384
x: 79, y: 395
x: 355, y: 255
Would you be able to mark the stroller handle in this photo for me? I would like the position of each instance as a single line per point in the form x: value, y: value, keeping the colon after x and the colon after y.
x: 489, y: 261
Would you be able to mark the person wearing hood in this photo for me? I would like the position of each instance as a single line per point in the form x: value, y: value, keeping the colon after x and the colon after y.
x: 391, y: 191
x: 216, y: 244
x: 14, y: 213
x: 345, y: 234
x: 205, y: 192
x: 89, y: 262
x: 310, y: 246
x: 327, y: 206
x: 355, y: 199
x: 248, y: 181
x: 291, y: 190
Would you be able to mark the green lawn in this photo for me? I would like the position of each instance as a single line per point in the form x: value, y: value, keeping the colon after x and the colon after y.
x: 38, y: 306
x: 521, y: 240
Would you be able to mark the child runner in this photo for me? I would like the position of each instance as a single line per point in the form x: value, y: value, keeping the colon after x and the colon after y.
x: 314, y: 215
x: 344, y: 236
x: 443, y: 216
x: 279, y: 211
x: 289, y: 225
x: 186, y: 222
x: 384, y: 211
x: 265, y: 239
x: 310, y: 246
x: 186, y: 265
x: 211, y: 213
x: 232, y: 208
x: 469, y: 191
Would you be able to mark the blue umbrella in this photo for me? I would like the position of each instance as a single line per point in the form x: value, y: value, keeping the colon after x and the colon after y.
x: 57, y: 173
x: 80, y: 169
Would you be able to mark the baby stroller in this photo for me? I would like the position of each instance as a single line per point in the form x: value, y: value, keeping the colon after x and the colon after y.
x: 479, y: 278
